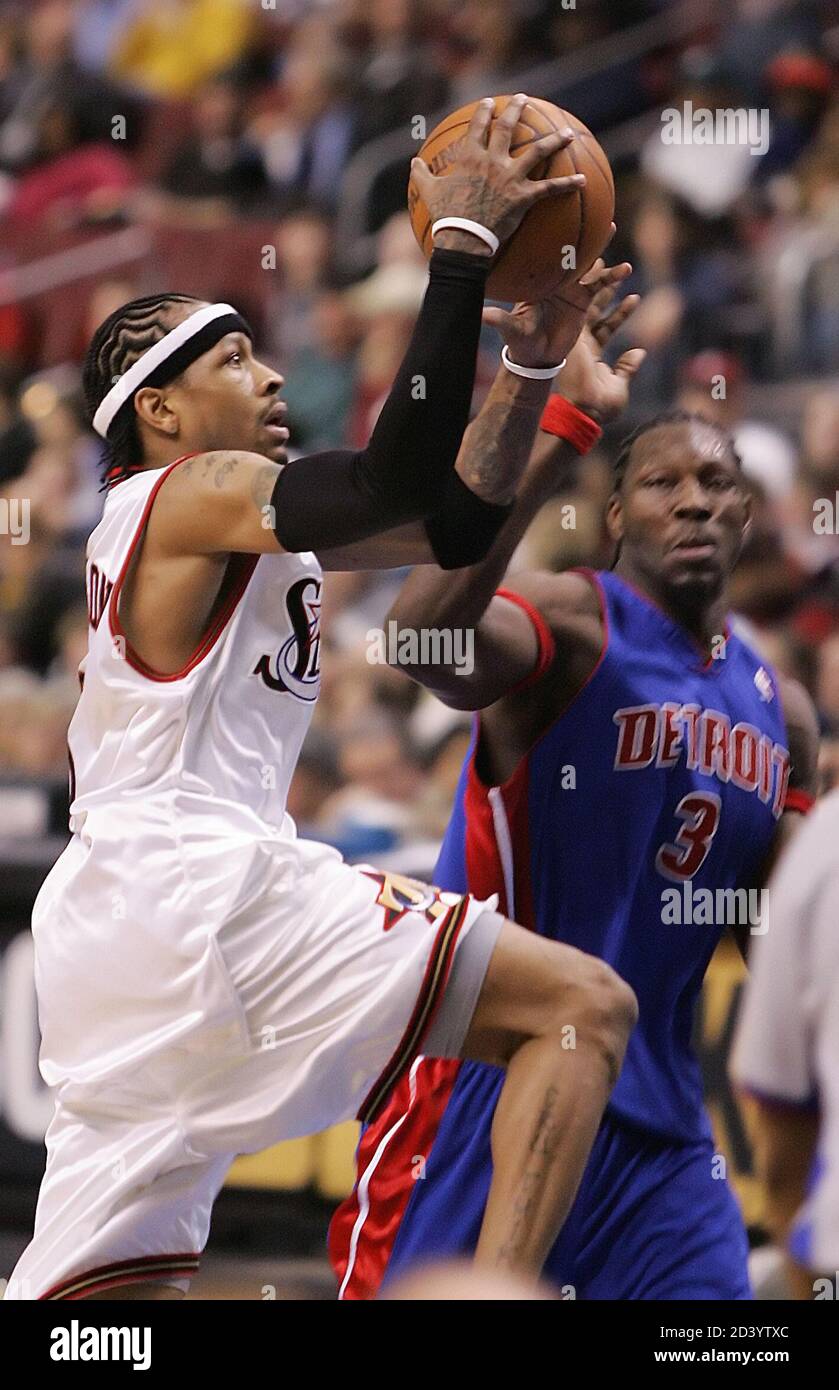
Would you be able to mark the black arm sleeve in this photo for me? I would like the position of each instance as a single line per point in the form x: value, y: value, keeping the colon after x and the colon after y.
x: 463, y: 528
x: 341, y: 496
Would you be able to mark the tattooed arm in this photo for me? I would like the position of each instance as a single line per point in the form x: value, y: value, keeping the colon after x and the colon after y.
x: 227, y: 501
x: 222, y: 501
x: 492, y: 458
x: 504, y: 650
x: 497, y: 445
x: 218, y: 503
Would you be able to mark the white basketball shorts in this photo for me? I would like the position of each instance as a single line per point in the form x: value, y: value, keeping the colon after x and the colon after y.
x: 328, y: 1004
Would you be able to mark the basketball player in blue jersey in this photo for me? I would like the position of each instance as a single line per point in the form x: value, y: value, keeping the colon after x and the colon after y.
x: 631, y: 750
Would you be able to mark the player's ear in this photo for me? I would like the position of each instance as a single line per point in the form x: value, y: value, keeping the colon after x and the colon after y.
x: 614, y: 517
x: 747, y: 514
x: 152, y: 407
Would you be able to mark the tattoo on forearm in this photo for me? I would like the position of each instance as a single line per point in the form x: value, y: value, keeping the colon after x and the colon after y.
x: 497, y: 447
x: 541, y: 1155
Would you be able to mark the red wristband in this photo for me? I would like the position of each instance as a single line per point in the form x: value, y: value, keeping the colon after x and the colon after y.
x: 798, y: 800
x: 562, y: 418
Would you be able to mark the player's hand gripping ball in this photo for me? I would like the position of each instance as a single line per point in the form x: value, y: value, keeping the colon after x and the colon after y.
x: 559, y: 237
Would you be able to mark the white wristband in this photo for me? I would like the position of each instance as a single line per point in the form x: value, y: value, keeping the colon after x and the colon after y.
x: 536, y: 373
x: 464, y: 224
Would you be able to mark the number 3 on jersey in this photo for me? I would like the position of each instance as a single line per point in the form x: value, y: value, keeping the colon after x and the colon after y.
x: 700, y: 814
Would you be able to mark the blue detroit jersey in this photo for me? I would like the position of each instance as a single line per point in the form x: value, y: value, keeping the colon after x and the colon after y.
x: 657, y: 787
x: 664, y: 776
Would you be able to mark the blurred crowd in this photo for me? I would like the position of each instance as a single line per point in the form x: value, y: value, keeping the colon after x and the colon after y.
x: 215, y: 118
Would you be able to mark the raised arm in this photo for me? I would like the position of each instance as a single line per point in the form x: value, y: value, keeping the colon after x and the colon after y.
x: 476, y: 500
x: 505, y: 648
x: 342, y: 496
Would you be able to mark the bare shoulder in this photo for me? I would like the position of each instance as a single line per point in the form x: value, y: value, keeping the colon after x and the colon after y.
x: 216, y: 501
x: 223, y: 470
x: 569, y: 602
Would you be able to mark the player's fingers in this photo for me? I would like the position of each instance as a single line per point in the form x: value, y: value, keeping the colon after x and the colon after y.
x: 610, y: 323
x: 543, y: 148
x: 422, y: 175
x: 604, y: 317
x: 602, y: 279
x: 613, y: 274
x: 592, y: 275
x: 596, y: 317
x: 501, y: 319
x: 550, y: 188
x: 504, y: 125
x: 629, y: 362
x: 599, y: 306
x: 481, y: 121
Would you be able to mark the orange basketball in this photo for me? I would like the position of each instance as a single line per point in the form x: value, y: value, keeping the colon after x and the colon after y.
x: 536, y: 258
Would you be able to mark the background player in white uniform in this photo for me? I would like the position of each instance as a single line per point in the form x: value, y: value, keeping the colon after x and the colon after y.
x: 209, y: 984
x: 786, y: 1050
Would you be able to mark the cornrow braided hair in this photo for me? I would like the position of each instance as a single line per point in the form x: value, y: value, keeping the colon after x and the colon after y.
x: 674, y: 416
x: 116, y: 345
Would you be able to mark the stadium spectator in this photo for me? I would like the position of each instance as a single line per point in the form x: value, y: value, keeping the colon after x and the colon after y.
x: 715, y: 384
x: 17, y: 438
x: 800, y: 85
x: 98, y: 30
x: 485, y: 42
x: 686, y: 282
x: 217, y: 164
x: 320, y: 375
x: 70, y: 182
x: 758, y: 30
x: 827, y: 685
x: 307, y: 143
x: 303, y: 245
x: 170, y: 47
x: 397, y: 78
x: 48, y: 103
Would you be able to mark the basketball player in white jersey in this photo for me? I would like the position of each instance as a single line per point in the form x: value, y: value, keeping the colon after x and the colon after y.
x: 208, y: 983
x: 786, y: 1052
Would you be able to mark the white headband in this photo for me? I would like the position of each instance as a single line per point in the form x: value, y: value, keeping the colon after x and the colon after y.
x: 154, y: 357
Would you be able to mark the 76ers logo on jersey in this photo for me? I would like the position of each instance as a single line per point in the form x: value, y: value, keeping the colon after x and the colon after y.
x: 296, y: 666
x: 399, y: 895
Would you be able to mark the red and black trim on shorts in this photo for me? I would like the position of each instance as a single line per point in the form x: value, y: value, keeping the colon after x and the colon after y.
x: 428, y: 1002
x: 142, y: 1269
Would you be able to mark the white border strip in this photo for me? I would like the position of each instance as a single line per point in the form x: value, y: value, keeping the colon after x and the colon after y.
x: 503, y: 839
x: 364, y: 1180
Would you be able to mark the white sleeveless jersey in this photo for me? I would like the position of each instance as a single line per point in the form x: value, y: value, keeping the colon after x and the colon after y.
x: 220, y: 739
x: 180, y: 832
x: 209, y: 984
